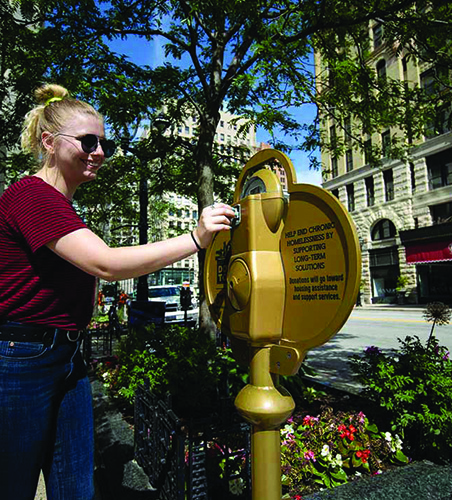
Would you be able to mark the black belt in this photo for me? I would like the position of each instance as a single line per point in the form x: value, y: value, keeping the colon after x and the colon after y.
x: 21, y: 332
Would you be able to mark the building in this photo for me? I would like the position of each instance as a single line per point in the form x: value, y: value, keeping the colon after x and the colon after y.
x: 402, y: 210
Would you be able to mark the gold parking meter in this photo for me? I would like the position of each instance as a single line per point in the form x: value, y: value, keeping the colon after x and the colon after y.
x: 282, y: 281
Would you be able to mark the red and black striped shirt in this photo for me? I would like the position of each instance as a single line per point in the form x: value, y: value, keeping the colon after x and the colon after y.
x: 37, y: 286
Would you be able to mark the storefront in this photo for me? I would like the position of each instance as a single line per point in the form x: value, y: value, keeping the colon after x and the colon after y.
x: 430, y: 250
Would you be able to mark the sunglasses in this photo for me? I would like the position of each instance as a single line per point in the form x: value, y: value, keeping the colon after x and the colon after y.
x: 90, y: 143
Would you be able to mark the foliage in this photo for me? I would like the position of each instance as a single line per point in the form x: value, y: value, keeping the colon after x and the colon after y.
x: 414, y: 385
x: 334, y: 448
x: 402, y: 282
x: 179, y: 361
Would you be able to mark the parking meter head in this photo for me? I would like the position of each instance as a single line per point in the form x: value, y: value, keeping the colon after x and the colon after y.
x: 288, y: 274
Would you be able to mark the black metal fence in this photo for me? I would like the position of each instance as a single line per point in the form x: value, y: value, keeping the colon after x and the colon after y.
x: 198, y: 459
x: 98, y: 343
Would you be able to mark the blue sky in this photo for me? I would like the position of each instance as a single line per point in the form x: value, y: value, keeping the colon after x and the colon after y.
x: 142, y: 52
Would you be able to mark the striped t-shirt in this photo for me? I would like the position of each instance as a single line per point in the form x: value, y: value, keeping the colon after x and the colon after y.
x: 37, y: 286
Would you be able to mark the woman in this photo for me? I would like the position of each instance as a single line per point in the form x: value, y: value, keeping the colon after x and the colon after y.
x: 49, y: 261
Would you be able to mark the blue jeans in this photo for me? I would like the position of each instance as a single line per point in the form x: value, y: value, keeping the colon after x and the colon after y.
x: 46, y: 422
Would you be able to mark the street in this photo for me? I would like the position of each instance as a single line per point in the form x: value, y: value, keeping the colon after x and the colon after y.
x: 368, y: 326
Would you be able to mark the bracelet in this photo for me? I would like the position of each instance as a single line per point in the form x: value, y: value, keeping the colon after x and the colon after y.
x: 195, y: 242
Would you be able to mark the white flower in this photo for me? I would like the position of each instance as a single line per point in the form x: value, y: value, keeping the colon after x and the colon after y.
x: 288, y: 429
x: 236, y: 486
x: 388, y: 437
x: 337, y: 461
x: 325, y: 450
x: 398, y: 442
x: 105, y: 375
x: 358, y: 474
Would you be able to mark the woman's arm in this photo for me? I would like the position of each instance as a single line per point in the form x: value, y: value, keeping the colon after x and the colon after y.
x: 90, y: 253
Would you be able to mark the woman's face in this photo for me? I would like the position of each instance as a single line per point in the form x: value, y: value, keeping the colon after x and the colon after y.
x: 72, y: 161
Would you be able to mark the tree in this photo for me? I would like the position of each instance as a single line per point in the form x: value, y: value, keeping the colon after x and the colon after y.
x: 253, y: 58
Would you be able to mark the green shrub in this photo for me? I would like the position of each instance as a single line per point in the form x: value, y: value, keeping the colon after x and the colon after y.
x: 184, y: 363
x: 179, y: 361
x: 414, y: 385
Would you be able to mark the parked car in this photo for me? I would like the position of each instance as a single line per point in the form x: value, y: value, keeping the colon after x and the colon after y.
x: 170, y: 294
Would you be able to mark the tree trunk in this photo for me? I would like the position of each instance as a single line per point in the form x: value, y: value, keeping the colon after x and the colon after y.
x: 204, y: 158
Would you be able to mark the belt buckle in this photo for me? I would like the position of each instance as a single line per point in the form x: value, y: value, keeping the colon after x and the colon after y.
x: 68, y: 335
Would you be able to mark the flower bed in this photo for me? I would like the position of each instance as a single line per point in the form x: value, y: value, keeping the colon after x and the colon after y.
x: 333, y: 448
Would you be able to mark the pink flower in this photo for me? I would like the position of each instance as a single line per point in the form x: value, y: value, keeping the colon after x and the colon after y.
x: 308, y: 420
x: 309, y: 455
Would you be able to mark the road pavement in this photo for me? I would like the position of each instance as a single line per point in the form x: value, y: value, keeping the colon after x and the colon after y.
x: 379, y: 326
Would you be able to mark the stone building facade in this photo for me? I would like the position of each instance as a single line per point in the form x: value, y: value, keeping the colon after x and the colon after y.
x: 402, y: 210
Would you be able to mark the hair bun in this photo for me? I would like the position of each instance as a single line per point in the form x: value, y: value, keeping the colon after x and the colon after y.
x: 49, y: 91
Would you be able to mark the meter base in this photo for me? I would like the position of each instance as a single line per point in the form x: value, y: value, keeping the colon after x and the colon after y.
x: 266, y: 406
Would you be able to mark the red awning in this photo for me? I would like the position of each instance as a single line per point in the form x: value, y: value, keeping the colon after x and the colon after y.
x: 438, y: 251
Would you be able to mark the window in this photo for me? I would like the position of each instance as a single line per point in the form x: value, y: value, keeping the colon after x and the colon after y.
x: 413, y: 178
x: 335, y: 192
x: 439, y: 168
x: 333, y: 136
x: 385, y: 143
x: 389, y: 185
x: 195, y: 214
x: 432, y: 82
x: 405, y: 67
x: 349, y: 160
x: 370, y: 195
x: 377, y: 35
x: 383, y: 230
x: 367, y: 150
x: 381, y: 69
x: 187, y: 130
x: 351, y: 197
x: 441, y: 213
x: 334, y: 169
x: 383, y: 257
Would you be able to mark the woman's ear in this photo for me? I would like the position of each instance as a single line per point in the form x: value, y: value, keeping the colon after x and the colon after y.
x: 48, y: 142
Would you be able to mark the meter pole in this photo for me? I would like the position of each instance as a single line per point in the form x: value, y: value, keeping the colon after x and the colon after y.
x: 266, y: 406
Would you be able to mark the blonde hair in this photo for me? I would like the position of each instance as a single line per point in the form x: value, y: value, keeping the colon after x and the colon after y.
x: 55, y: 107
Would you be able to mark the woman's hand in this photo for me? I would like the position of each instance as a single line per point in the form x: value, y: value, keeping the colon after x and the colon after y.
x: 214, y: 218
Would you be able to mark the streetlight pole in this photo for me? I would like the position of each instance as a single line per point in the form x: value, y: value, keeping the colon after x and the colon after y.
x: 142, y: 285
